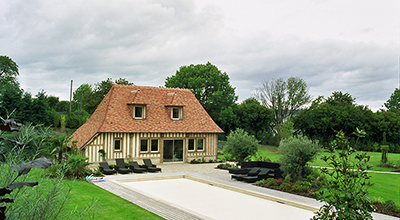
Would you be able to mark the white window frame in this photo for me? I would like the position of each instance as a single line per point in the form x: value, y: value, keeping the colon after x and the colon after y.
x: 179, y: 113
x: 143, y: 107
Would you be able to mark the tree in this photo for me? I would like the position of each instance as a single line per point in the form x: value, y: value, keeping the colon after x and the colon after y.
x: 82, y: 97
x: 240, y: 145
x: 11, y: 102
x: 284, y: 98
x: 52, y: 101
x: 40, y: 113
x: 210, y: 86
x: 8, y: 72
x: 394, y: 101
x: 254, y: 117
x: 338, y: 112
x: 100, y: 90
x: 62, y: 106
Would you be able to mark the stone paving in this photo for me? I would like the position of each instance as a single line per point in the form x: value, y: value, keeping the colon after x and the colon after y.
x: 206, y: 172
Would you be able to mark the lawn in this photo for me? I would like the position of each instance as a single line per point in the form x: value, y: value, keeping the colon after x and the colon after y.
x: 110, y: 206
x: 386, y: 186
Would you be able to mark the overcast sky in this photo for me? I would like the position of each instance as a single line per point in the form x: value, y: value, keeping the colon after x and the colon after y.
x: 349, y: 46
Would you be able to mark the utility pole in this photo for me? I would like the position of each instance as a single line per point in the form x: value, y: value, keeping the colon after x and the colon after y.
x: 80, y: 111
x: 70, y: 97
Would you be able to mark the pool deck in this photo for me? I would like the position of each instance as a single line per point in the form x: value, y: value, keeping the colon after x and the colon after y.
x: 203, y: 173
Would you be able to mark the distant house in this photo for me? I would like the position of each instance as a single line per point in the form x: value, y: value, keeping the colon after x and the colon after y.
x: 137, y: 122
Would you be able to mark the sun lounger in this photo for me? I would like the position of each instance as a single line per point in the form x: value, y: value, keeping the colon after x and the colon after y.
x: 121, y: 166
x: 253, y: 172
x: 263, y: 174
x: 150, y: 167
x: 104, y: 168
x: 134, y: 166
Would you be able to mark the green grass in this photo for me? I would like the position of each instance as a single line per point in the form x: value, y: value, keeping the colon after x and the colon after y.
x: 386, y: 186
x: 110, y: 206
x: 374, y: 160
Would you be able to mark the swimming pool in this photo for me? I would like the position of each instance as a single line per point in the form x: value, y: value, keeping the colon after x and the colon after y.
x: 210, y: 200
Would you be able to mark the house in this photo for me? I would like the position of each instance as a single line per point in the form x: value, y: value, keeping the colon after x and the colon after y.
x: 137, y: 122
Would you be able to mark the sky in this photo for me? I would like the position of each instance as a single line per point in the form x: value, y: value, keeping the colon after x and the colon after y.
x: 334, y: 45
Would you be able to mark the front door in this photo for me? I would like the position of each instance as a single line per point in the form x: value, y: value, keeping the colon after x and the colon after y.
x: 173, y: 151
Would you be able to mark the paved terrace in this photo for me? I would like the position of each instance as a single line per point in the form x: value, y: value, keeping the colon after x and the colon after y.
x: 204, y: 173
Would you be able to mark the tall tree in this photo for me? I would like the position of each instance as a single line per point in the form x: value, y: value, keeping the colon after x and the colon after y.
x: 92, y: 95
x: 11, y: 102
x: 284, y: 98
x: 339, y: 112
x: 210, y: 86
x: 82, y: 97
x: 394, y: 101
x: 8, y: 72
x: 52, y: 100
x: 40, y: 107
x: 254, y: 118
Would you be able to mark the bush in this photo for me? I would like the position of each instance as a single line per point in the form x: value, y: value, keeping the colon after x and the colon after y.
x: 300, y: 186
x: 296, y: 153
x: 346, y: 192
x: 285, y: 186
x: 316, y: 178
x: 240, y: 145
x: 73, y: 121
x: 272, y: 182
x: 77, y: 166
x: 57, y: 119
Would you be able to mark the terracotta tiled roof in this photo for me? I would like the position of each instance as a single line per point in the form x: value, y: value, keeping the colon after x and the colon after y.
x: 115, y: 113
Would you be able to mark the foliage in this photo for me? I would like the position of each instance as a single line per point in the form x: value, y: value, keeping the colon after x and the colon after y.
x: 254, y: 118
x: 8, y: 71
x: 87, y: 97
x: 62, y: 106
x: 384, y: 157
x: 11, y: 172
x: 284, y: 98
x: 34, y: 138
x: 296, y: 153
x: 210, y: 86
x: 393, y: 103
x: 283, y: 131
x: 226, y: 166
x: 52, y: 101
x: 102, y: 154
x: 23, y: 107
x: 77, y: 166
x: 241, y: 145
x: 337, y: 112
x: 346, y: 192
x: 57, y: 146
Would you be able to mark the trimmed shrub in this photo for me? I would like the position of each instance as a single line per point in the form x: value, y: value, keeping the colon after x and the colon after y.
x: 296, y: 153
x: 240, y: 145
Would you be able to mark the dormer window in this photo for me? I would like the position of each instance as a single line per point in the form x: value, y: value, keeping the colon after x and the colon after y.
x: 176, y: 113
x: 139, y: 112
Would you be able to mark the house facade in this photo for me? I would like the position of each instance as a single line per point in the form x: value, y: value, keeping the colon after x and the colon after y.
x: 138, y: 122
